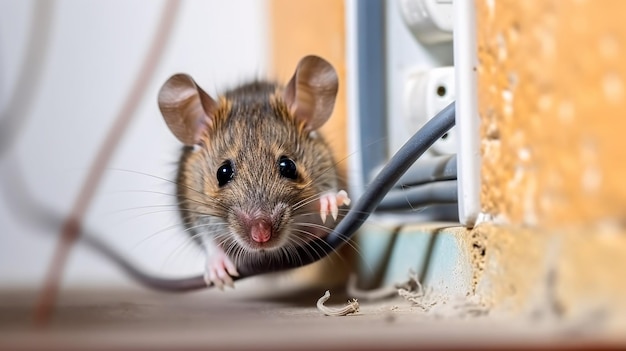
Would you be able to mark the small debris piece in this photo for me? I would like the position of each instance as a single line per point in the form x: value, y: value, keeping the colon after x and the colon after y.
x: 351, y: 307
x: 413, y: 291
x: 438, y: 305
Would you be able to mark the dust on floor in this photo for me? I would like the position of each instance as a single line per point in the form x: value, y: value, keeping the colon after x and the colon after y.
x: 225, y: 320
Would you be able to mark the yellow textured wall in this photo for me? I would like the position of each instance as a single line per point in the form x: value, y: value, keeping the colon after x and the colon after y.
x: 552, y: 103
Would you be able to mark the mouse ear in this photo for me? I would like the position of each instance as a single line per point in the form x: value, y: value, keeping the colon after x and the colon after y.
x: 311, y: 92
x: 187, y: 109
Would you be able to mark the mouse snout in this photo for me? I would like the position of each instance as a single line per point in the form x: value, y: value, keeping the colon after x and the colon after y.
x: 260, y: 230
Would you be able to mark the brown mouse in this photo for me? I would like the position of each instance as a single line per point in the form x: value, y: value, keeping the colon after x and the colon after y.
x: 255, y: 179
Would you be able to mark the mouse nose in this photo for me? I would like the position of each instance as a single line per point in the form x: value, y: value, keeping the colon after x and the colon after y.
x: 261, y: 230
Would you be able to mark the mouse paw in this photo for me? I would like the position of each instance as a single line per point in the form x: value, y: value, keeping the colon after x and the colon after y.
x: 330, y: 202
x: 219, y: 271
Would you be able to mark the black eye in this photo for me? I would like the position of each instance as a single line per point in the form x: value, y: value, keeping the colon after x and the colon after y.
x: 287, y: 168
x: 225, y: 173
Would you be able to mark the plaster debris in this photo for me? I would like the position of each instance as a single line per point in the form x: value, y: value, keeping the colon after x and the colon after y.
x: 351, y: 307
x: 440, y: 305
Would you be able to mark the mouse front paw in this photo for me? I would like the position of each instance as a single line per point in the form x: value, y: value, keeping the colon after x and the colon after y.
x: 330, y: 202
x: 219, y: 271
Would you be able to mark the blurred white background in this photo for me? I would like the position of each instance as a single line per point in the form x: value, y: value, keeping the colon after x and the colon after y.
x: 95, y: 52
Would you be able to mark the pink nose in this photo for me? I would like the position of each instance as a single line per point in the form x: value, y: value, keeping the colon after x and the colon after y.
x: 261, y: 231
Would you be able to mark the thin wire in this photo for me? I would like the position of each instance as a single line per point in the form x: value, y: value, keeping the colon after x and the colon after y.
x: 14, y: 116
x: 71, y: 228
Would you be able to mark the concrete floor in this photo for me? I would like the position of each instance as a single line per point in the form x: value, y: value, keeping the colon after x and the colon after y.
x: 138, y: 319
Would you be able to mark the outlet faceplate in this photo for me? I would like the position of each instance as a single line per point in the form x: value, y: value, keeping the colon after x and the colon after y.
x: 426, y: 93
x: 405, y: 56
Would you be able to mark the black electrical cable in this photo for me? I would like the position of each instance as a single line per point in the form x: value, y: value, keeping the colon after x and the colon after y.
x: 436, y: 127
x: 306, y: 254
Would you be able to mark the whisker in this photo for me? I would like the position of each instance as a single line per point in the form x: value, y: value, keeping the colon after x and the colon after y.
x: 187, y: 229
x: 182, y: 198
x: 310, y: 243
x: 296, y: 241
x: 157, y: 177
x: 347, y: 241
x: 129, y: 218
x: 140, y: 191
x: 190, y: 242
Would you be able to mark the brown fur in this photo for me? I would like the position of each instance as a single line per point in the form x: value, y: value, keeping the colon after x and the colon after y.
x: 253, y: 128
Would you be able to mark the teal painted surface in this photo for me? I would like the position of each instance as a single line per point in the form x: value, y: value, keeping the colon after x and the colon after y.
x: 438, y: 257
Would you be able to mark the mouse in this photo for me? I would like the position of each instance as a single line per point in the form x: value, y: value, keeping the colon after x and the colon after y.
x: 256, y: 179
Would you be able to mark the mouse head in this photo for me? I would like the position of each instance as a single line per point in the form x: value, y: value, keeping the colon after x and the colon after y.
x: 255, y: 164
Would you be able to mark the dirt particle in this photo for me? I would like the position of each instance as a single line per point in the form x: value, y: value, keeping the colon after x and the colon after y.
x: 493, y: 133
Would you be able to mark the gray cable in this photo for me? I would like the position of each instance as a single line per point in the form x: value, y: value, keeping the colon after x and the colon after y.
x: 429, y: 170
x: 442, y: 192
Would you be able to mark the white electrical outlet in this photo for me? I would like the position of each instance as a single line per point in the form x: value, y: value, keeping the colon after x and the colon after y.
x: 433, y: 21
x: 430, y: 21
x: 426, y: 93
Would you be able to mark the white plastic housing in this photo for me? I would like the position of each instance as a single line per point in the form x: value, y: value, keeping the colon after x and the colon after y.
x: 467, y: 122
x: 426, y: 93
x: 430, y: 21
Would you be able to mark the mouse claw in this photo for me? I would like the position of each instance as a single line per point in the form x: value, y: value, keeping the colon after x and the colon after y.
x: 334, y: 209
x: 210, y: 278
x: 324, y: 207
x: 330, y: 202
x: 231, y: 269
x: 219, y: 272
x: 226, y: 279
x: 342, y: 198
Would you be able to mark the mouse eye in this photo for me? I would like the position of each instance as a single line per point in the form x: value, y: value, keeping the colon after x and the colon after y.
x: 287, y: 168
x: 225, y: 173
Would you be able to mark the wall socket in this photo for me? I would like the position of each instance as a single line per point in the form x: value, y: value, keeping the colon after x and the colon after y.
x: 408, y: 57
x: 426, y: 93
x: 420, y: 57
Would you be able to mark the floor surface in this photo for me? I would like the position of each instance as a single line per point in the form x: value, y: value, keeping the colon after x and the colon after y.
x: 142, y: 320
